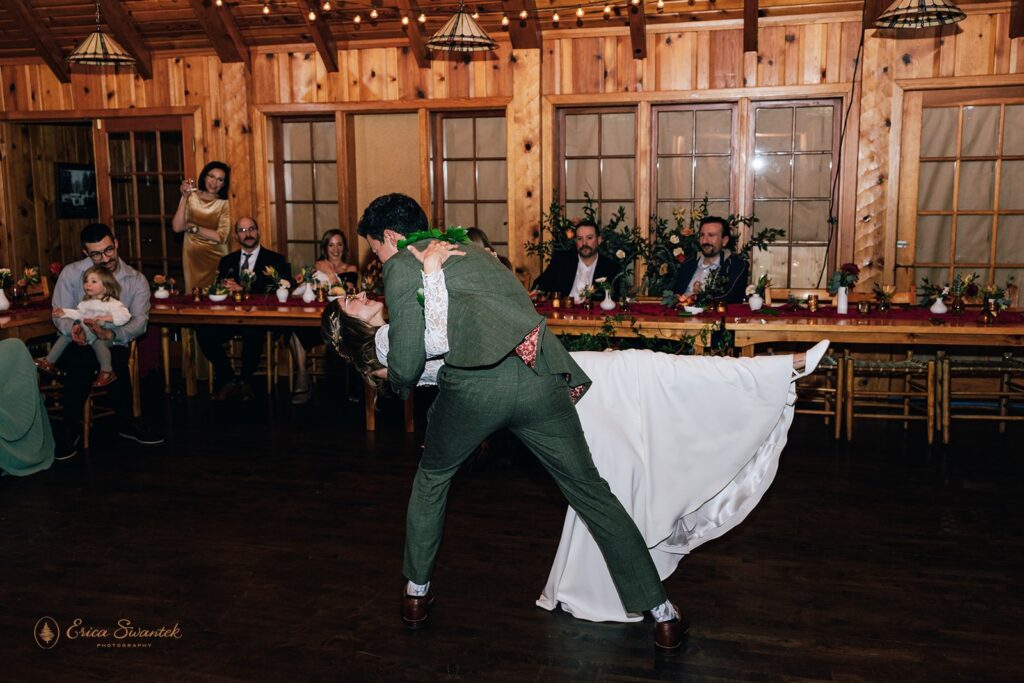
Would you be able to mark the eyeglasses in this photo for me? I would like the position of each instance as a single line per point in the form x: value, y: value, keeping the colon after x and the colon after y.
x: 106, y: 253
x: 242, y: 231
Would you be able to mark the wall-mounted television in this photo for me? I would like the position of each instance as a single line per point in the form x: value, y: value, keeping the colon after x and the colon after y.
x: 76, y: 191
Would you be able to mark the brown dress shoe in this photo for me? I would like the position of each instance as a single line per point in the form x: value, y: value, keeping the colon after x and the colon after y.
x: 668, y: 635
x: 416, y: 610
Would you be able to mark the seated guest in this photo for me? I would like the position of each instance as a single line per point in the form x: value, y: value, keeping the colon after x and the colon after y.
x: 714, y: 239
x: 211, y: 339
x: 480, y: 239
x: 333, y: 261
x: 79, y: 361
x: 570, y: 274
x: 26, y: 442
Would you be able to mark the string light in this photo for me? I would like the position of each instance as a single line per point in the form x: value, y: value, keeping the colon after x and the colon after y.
x: 422, y: 18
x: 554, y: 17
x: 266, y: 9
x: 661, y: 5
x: 357, y: 20
x: 607, y: 11
x: 219, y: 3
x: 326, y: 6
x: 579, y: 12
x: 504, y: 20
x: 635, y: 2
x: 405, y: 21
x: 311, y: 15
x: 374, y: 13
x: 475, y: 15
x: 524, y: 15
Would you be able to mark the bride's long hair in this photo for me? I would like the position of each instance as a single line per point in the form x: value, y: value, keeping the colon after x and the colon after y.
x: 353, y: 340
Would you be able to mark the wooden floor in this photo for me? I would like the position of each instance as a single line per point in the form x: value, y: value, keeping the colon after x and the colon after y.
x: 272, y: 536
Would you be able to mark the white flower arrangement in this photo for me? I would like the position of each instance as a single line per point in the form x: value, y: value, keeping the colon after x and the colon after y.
x: 677, y: 251
x: 283, y: 284
x: 673, y: 238
x: 620, y: 254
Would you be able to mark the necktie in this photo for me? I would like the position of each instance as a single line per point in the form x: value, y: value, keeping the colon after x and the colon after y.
x: 245, y: 261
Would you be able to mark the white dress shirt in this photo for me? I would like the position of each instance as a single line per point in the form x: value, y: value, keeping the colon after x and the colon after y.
x: 584, y: 278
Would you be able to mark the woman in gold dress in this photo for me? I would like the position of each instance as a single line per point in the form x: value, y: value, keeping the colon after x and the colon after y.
x: 203, y: 214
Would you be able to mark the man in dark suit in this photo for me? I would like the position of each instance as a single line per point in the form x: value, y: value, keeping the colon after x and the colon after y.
x: 252, y: 256
x: 714, y: 239
x: 569, y: 274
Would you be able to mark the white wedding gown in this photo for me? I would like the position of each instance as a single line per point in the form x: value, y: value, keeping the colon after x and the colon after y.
x: 688, y: 444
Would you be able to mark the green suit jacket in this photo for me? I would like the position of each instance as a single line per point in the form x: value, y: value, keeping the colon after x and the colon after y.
x: 489, y: 315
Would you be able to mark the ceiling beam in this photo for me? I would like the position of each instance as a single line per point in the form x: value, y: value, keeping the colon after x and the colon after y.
x: 42, y: 42
x: 126, y: 32
x: 321, y: 33
x: 414, y: 32
x: 638, y: 30
x: 1017, y: 19
x: 750, y: 25
x: 872, y: 10
x: 525, y: 33
x: 220, y: 27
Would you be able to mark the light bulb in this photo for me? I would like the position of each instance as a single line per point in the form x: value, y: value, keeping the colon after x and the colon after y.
x: 661, y: 5
x: 504, y: 21
x: 635, y: 2
x: 607, y: 10
x: 219, y: 3
x: 405, y: 21
x: 326, y: 6
x: 357, y: 19
x: 524, y: 15
x: 579, y: 12
x: 374, y: 13
x: 422, y: 18
x: 266, y: 9
x: 555, y: 17
x: 311, y: 15
x: 475, y: 15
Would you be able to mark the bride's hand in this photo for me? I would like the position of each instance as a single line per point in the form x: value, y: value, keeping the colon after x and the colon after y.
x: 435, y: 255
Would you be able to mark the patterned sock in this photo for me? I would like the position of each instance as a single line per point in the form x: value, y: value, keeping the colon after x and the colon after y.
x: 664, y: 612
x: 416, y: 590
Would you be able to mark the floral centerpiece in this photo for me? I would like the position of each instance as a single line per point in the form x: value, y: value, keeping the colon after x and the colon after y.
x: 5, y: 278
x: 883, y: 295
x: 246, y: 278
x: 760, y: 287
x: 275, y: 281
x: 30, y: 276
x: 55, y: 268
x: 965, y: 286
x: 218, y: 288
x: 307, y: 275
x: 846, y: 276
x: 997, y: 295
x: 161, y: 284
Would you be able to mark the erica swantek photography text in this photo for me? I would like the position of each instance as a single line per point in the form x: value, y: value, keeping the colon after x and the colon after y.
x: 122, y: 634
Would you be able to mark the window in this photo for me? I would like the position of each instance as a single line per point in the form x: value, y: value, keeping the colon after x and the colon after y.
x: 969, y: 208
x: 146, y: 168
x: 304, y: 187
x: 469, y: 180
x: 792, y: 169
x: 693, y: 158
x: 598, y: 153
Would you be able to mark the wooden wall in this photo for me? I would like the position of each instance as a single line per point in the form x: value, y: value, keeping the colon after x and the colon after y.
x: 798, y: 56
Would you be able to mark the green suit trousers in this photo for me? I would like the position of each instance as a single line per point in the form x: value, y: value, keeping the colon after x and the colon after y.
x: 536, y: 407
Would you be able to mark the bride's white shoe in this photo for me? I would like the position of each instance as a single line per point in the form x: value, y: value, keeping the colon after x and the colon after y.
x: 812, y: 357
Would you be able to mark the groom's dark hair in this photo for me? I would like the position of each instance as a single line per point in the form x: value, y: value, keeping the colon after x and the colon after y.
x: 395, y: 211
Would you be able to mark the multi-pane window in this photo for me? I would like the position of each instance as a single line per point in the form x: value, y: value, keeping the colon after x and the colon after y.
x: 970, y: 207
x: 792, y: 169
x: 693, y: 146
x: 469, y: 181
x: 598, y: 154
x: 146, y: 171
x: 304, y: 197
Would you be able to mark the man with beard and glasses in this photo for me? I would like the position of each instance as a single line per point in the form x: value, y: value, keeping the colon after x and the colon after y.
x: 79, y: 362
x: 570, y: 274
x: 714, y: 239
x: 252, y: 256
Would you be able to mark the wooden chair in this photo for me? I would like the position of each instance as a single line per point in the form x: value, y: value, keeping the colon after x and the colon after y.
x: 265, y: 368
x: 53, y: 391
x: 994, y: 390
x: 917, y: 378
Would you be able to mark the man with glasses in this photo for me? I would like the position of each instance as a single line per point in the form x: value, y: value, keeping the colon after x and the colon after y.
x: 255, y: 257
x: 79, y: 362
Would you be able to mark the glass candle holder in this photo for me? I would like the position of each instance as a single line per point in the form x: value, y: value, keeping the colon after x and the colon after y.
x: 812, y: 302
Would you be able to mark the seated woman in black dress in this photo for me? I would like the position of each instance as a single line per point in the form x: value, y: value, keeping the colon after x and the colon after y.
x: 333, y: 263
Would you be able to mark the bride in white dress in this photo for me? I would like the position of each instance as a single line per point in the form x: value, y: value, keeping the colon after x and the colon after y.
x: 688, y: 444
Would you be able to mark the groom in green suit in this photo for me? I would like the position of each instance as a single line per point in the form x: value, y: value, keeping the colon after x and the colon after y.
x: 504, y: 369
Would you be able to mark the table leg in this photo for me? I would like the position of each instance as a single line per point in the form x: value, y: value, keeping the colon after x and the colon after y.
x: 410, y: 413
x: 188, y: 364
x: 165, y: 347
x: 370, y: 402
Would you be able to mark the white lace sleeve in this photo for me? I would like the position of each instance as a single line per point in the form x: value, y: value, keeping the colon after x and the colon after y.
x: 435, y: 314
x: 430, y: 370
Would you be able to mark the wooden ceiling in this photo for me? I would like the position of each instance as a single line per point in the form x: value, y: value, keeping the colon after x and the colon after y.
x: 36, y: 27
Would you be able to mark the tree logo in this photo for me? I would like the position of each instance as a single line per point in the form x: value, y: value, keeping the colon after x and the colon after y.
x: 47, y: 632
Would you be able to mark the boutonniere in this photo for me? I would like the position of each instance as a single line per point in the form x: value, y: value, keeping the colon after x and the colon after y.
x: 455, y: 235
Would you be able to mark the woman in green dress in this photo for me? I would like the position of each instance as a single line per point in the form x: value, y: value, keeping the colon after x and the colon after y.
x: 26, y: 441
x: 204, y: 216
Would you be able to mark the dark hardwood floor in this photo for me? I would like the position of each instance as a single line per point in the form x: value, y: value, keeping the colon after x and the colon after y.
x: 272, y: 536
